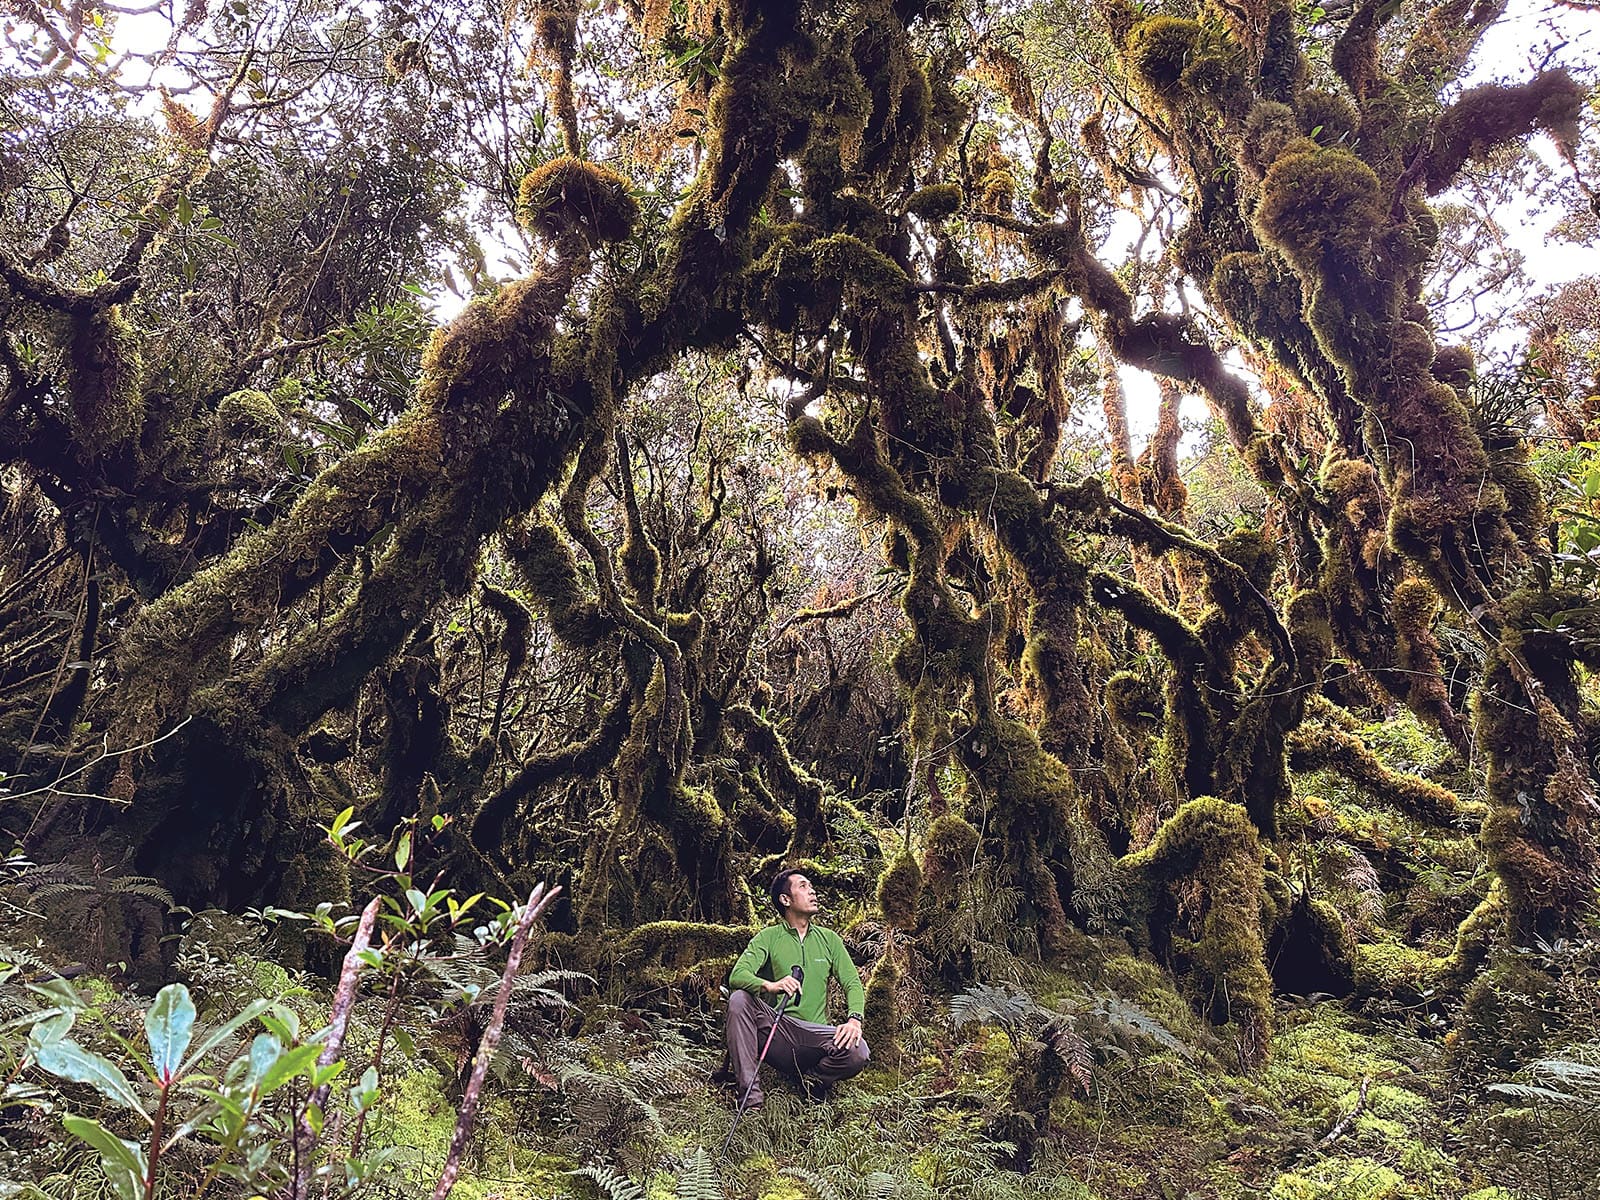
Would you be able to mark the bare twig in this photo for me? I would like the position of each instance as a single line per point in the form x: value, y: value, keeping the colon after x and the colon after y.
x: 538, y: 901
x: 1349, y: 1119
x: 343, y: 1001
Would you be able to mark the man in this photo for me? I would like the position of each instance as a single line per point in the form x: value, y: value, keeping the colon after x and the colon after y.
x: 804, y: 1042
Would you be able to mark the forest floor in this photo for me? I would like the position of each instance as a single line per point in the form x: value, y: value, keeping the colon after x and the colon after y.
x: 1098, y: 1083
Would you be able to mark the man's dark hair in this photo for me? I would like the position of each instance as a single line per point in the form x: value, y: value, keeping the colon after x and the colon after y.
x: 780, y: 886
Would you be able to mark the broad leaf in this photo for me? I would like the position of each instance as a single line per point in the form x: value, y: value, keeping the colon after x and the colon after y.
x: 169, y: 1024
x: 222, y: 1032
x: 124, y: 1162
x: 290, y: 1065
x: 68, y: 1060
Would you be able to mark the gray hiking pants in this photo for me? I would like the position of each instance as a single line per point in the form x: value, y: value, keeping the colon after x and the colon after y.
x: 798, y: 1046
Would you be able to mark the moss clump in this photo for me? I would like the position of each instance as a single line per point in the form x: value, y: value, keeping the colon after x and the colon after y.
x: 900, y: 892
x: 1507, y: 1014
x: 1160, y: 50
x: 1326, y: 117
x: 248, y: 414
x: 1319, y: 205
x: 566, y: 193
x: 1212, y: 845
x: 1269, y: 128
x: 881, y: 1021
x: 948, y: 853
x: 1178, y: 60
x: 1133, y: 702
x: 1341, y: 1178
x: 936, y: 202
x: 1455, y: 365
x: 105, y: 377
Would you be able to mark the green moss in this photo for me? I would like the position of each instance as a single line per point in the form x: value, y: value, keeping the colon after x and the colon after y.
x: 1341, y: 1178
x: 1134, y: 703
x: 248, y: 414
x: 881, y: 1021
x: 936, y: 202
x: 105, y: 377
x: 681, y: 943
x: 948, y: 853
x: 566, y: 193
x: 1327, y: 117
x: 1319, y: 205
x: 1507, y: 1015
x: 1213, y: 845
x: 900, y: 892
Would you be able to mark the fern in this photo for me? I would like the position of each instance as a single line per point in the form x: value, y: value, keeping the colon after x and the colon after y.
x: 819, y: 1184
x: 984, y: 1004
x: 1571, y: 1080
x: 698, y: 1179
x: 1126, y: 1015
x: 611, y: 1183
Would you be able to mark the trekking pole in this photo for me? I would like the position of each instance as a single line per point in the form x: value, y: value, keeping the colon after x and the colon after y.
x: 799, y: 976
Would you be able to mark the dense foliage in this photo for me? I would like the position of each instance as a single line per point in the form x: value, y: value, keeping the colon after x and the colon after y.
x: 635, y: 445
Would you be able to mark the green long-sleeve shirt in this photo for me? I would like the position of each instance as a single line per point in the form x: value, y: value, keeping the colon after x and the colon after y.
x: 778, y: 949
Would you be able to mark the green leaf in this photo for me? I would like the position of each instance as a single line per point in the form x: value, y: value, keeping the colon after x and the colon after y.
x: 52, y: 1029
x: 264, y: 1052
x: 123, y: 1161
x: 68, y: 1060
x: 228, y: 1028
x: 365, y: 1091
x: 291, y: 1064
x: 169, y: 1026
x: 402, y: 853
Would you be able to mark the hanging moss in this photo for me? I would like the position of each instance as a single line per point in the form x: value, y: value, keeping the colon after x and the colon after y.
x: 900, y: 892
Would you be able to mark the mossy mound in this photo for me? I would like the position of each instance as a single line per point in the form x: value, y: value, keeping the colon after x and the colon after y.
x: 1318, y: 205
x: 567, y: 193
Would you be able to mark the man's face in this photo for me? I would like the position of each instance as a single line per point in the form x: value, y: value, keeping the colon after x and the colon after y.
x: 802, y: 897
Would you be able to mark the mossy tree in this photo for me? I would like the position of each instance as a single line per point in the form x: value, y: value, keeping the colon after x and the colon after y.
x: 882, y: 226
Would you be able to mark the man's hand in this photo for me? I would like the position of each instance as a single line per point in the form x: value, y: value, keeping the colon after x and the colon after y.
x: 787, y: 984
x: 847, y: 1035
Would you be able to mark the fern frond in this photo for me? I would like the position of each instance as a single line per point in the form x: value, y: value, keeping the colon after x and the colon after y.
x: 612, y: 1184
x: 820, y: 1187
x: 142, y: 886
x: 698, y: 1179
